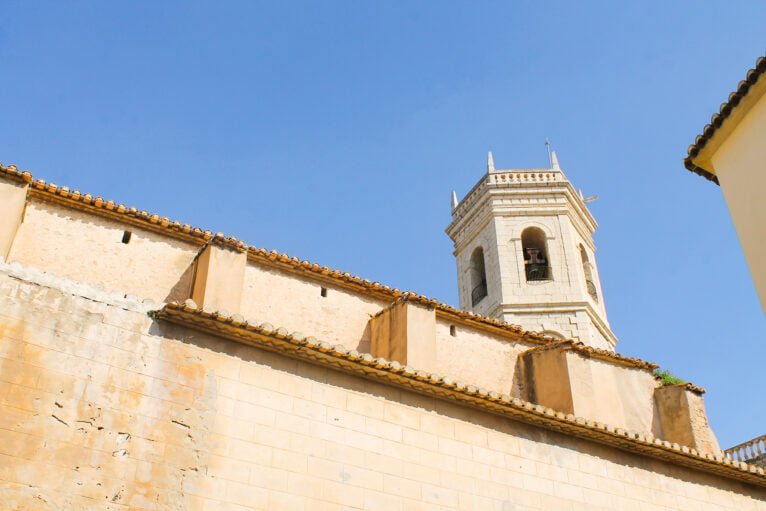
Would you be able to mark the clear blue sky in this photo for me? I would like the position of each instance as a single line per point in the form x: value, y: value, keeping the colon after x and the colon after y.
x: 335, y: 131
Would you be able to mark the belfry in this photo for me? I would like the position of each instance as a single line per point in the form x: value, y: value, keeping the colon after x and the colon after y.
x: 525, y: 254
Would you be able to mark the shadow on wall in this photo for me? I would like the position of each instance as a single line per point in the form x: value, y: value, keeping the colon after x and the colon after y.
x: 183, y: 288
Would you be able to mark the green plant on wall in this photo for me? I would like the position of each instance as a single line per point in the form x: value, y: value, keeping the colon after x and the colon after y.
x: 667, y: 378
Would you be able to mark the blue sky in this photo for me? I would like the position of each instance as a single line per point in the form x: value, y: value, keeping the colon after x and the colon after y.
x: 335, y: 131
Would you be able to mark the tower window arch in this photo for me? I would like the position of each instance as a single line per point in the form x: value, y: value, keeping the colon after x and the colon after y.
x: 587, y: 270
x: 478, y: 276
x: 534, y: 247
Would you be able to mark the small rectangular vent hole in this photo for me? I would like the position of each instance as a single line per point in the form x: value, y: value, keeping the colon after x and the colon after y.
x: 126, y: 237
x: 453, y: 330
x: 323, y: 292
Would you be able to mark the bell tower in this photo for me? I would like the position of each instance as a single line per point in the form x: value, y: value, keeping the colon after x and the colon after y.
x: 525, y: 254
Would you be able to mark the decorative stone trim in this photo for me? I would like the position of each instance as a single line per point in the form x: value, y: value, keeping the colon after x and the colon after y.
x: 338, y: 357
x: 522, y: 178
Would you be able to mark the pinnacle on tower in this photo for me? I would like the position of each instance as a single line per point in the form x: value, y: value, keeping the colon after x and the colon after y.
x: 454, y: 200
x: 490, y: 162
x: 555, y: 161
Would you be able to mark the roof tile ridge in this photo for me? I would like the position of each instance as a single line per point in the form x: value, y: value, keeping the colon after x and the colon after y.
x: 551, y: 345
x: 602, y: 353
x: 270, y: 256
x: 536, y: 337
x: 717, y: 119
x: 691, y: 387
x: 468, y: 316
x: 98, y: 202
x: 599, y: 353
x: 390, y: 306
x: 13, y: 172
x: 694, y: 388
x: 218, y: 238
x: 620, y: 436
x: 273, y: 256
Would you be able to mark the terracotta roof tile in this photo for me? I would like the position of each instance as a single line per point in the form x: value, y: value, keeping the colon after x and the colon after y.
x: 338, y: 357
x: 587, y: 351
x: 718, y: 119
x: 694, y: 388
x: 108, y: 208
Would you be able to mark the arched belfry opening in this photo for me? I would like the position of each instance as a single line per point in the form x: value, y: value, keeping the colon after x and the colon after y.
x: 478, y: 276
x: 587, y: 270
x: 534, y: 247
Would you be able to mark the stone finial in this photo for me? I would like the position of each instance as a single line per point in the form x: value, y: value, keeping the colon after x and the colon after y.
x: 454, y: 200
x: 555, y: 161
x: 490, y: 162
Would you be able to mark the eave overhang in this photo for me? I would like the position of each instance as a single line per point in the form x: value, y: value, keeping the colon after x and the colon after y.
x: 724, y: 122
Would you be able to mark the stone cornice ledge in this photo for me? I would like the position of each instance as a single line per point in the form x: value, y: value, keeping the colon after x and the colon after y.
x: 309, y: 349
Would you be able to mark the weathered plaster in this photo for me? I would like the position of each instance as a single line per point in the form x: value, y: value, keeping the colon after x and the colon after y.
x: 89, y: 249
x: 297, y: 303
x: 683, y: 418
x: 105, y: 408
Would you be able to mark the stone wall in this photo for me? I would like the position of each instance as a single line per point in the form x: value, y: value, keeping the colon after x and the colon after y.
x: 300, y: 304
x: 484, y: 359
x: 106, y: 408
x: 89, y: 248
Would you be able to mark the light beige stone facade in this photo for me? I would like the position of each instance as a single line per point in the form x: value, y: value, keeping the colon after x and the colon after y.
x: 105, y: 409
x: 111, y: 400
x: 69, y: 242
